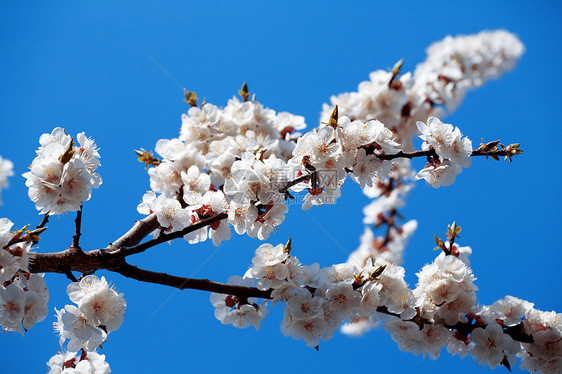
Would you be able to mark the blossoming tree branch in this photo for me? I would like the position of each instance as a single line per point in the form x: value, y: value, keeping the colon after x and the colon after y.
x: 236, y: 168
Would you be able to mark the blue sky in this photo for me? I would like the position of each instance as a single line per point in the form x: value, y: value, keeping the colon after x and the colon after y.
x: 116, y: 71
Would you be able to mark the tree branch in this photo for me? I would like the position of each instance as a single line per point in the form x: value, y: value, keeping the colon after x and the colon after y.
x: 77, y: 234
x: 133, y: 272
x: 44, y: 221
x: 138, y: 232
x: 431, y: 152
x: 162, y: 238
x: 298, y: 180
x: 74, y: 259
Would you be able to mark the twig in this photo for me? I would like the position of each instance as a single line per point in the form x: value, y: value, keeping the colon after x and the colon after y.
x: 162, y: 238
x: 431, y: 152
x: 77, y: 234
x: 138, y: 232
x: 296, y: 181
x: 133, y: 272
x: 390, y: 224
x: 70, y: 276
x: 44, y: 221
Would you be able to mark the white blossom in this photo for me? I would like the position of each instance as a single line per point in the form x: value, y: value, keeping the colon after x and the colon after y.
x: 491, y: 343
x: 442, y: 176
x: 69, y: 363
x: 62, y: 175
x: 12, y: 307
x: 100, y: 303
x: 195, y: 185
x: 170, y: 214
x: 73, y: 325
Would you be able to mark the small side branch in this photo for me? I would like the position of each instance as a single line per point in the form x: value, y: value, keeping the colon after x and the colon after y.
x: 77, y: 233
x: 142, y: 275
x: 431, y: 152
x: 140, y: 230
x: 44, y: 221
x: 182, y: 283
x: 162, y: 238
x: 70, y: 276
x: 298, y: 180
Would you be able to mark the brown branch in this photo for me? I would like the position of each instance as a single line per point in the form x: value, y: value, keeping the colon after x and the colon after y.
x: 73, y: 259
x: 389, y: 221
x: 112, y: 257
x: 138, y: 232
x: 128, y: 244
x: 410, y: 155
x: 298, y: 180
x: 133, y: 272
x: 243, y: 292
x: 162, y: 238
x: 70, y: 276
x: 122, y: 250
x: 431, y: 152
x: 77, y: 234
x: 26, y: 238
x: 44, y: 221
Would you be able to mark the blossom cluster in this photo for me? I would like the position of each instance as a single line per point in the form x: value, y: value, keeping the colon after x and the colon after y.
x: 456, y: 64
x: 386, y: 98
x: 71, y: 363
x: 241, y: 313
x: 99, y: 310
x: 229, y: 160
x: 252, y: 188
x: 452, y: 66
x: 212, y: 139
x: 453, y: 150
x: 23, y: 296
x: 63, y: 174
x: 6, y: 170
x: 346, y: 147
x: 318, y: 300
x: 441, y: 312
x: 404, y: 103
